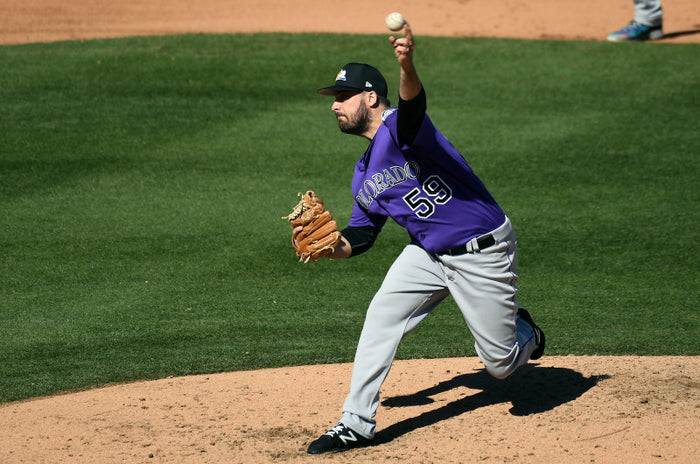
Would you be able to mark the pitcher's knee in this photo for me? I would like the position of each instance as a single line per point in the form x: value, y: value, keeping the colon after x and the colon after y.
x: 499, y: 370
x: 502, y: 366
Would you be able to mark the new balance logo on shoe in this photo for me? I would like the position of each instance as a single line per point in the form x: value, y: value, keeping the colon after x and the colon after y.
x: 350, y: 437
x: 339, y: 438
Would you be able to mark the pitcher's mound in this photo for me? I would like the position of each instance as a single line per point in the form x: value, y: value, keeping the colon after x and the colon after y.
x: 560, y: 410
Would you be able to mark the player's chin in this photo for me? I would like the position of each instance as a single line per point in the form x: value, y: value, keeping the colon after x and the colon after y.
x: 347, y: 128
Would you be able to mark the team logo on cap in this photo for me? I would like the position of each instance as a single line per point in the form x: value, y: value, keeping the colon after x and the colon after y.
x: 341, y: 76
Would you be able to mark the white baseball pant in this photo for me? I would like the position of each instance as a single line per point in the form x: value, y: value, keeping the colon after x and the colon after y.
x: 483, y: 285
x: 648, y: 12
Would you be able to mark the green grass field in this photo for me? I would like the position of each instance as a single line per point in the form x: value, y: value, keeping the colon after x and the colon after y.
x: 142, y: 183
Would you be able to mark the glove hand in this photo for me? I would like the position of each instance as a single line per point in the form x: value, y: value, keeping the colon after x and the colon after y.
x: 314, y: 232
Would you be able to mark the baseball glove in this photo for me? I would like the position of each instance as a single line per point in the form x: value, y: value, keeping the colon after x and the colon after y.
x: 319, y: 233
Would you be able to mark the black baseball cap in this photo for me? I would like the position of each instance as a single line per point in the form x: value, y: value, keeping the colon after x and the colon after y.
x: 357, y: 76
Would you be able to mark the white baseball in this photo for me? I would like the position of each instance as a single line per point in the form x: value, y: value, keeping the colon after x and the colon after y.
x: 394, y: 21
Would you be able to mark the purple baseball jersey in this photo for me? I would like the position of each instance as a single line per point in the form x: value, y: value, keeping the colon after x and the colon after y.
x: 427, y: 188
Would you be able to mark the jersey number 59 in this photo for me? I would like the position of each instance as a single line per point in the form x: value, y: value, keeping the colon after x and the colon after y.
x: 423, y: 202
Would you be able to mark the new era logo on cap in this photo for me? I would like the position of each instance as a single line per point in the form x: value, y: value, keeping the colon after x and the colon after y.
x: 357, y: 76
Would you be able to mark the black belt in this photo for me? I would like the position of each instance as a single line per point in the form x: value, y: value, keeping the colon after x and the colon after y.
x: 483, y: 242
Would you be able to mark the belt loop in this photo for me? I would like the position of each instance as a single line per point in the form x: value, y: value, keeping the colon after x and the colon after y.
x: 470, y: 246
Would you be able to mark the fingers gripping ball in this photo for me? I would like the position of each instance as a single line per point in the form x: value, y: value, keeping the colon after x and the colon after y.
x: 394, y: 21
x: 319, y: 234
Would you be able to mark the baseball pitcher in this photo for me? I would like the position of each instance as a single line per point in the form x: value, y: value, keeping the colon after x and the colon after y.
x: 461, y: 242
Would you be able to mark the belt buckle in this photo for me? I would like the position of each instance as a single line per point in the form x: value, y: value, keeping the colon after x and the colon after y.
x: 486, y: 241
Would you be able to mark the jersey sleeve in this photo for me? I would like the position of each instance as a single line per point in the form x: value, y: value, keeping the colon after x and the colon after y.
x: 410, y: 116
x: 361, y: 218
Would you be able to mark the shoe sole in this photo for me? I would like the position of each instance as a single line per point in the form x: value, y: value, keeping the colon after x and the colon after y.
x: 336, y: 450
x: 539, y: 351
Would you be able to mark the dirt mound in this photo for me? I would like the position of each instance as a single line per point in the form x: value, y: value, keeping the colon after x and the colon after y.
x: 560, y: 410
x: 49, y: 20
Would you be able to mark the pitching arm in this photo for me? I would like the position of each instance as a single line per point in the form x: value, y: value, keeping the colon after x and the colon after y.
x: 409, y: 83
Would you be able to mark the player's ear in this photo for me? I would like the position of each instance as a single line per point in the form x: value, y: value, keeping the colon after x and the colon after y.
x: 372, y: 99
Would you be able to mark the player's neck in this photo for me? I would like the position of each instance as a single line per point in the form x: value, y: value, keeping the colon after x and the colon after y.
x: 374, y: 125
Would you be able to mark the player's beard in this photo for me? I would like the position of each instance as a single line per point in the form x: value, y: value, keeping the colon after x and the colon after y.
x: 358, y: 123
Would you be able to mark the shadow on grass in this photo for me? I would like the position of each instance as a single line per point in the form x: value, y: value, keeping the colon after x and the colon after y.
x: 530, y: 390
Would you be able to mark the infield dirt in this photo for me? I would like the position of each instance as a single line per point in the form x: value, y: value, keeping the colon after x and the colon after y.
x: 558, y: 410
x: 22, y: 21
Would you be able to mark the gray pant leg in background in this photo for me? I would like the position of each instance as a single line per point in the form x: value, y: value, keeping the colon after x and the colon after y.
x: 648, y: 12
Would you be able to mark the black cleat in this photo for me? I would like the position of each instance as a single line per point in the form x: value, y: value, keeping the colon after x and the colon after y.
x: 539, y: 334
x: 339, y: 438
